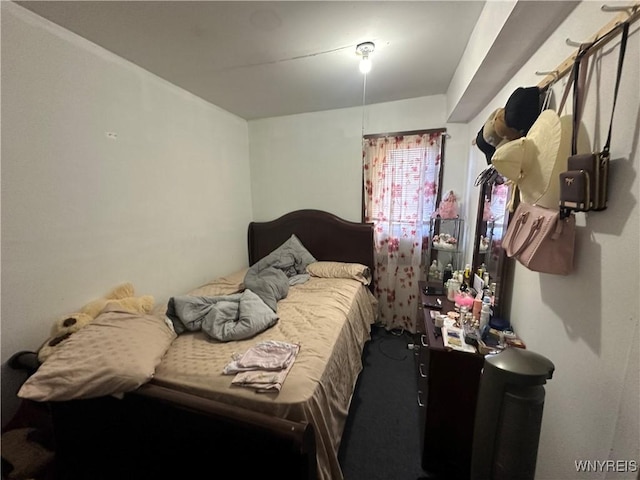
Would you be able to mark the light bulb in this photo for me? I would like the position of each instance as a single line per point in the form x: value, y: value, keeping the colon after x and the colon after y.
x: 365, y: 64
x: 364, y: 49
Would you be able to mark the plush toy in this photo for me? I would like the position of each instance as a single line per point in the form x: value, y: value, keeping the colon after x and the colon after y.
x: 62, y: 329
x: 121, y: 297
x: 448, y: 208
x: 143, y: 304
x: 94, y: 307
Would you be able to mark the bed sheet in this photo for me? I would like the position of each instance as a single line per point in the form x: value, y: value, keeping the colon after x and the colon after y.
x: 329, y: 318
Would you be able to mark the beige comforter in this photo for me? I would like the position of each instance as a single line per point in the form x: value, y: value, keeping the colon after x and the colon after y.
x: 329, y: 318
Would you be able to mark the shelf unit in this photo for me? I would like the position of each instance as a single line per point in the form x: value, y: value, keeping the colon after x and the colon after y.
x: 445, y: 246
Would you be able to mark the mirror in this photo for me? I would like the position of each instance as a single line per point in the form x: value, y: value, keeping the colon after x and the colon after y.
x: 488, y: 255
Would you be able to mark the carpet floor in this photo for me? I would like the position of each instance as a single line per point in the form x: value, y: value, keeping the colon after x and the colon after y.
x: 381, y: 439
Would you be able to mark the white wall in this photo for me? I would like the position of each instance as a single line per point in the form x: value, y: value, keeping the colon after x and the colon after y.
x: 81, y: 212
x: 587, y: 323
x: 165, y: 205
x: 314, y: 160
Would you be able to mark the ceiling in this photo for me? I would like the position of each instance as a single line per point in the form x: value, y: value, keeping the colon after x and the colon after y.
x: 264, y: 59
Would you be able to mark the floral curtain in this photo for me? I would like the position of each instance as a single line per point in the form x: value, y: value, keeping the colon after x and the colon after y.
x: 401, y: 179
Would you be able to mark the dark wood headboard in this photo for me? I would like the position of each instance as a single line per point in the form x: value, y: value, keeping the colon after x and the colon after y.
x: 326, y: 236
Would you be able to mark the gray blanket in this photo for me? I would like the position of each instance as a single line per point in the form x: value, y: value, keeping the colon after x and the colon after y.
x: 270, y: 277
x: 225, y: 318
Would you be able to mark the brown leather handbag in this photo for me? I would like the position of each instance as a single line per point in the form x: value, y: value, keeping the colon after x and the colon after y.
x: 592, y: 167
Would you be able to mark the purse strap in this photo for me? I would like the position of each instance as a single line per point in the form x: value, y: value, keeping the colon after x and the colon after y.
x: 567, y: 88
x: 623, y: 47
x: 520, y: 220
x: 579, y: 72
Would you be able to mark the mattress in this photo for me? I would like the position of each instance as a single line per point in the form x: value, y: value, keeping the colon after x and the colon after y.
x: 329, y: 318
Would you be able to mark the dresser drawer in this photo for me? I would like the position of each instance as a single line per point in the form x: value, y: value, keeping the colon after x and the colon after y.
x: 447, y: 391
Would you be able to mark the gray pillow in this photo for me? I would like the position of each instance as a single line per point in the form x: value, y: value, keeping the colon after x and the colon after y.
x: 269, y: 277
x: 291, y: 257
x: 301, y: 255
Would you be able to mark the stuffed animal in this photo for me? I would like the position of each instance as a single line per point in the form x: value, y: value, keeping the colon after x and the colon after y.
x: 448, y: 208
x: 70, y: 323
x: 62, y: 329
x: 94, y: 307
x: 120, y: 297
x: 143, y: 304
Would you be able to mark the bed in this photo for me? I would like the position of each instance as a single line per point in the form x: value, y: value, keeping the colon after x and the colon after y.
x: 189, y: 419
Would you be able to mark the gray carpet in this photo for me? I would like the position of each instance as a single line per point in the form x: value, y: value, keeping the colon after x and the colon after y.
x: 381, y: 440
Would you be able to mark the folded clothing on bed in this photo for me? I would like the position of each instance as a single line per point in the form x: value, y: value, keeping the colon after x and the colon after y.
x: 267, y: 355
x: 263, y: 367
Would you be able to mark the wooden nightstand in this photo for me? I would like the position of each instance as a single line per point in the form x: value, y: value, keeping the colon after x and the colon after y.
x: 448, y: 382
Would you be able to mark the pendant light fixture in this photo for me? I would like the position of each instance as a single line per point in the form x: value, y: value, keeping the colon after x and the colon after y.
x: 365, y: 50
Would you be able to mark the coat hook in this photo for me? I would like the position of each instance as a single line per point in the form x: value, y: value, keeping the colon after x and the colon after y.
x: 555, y: 76
x: 571, y: 43
x: 550, y: 72
x: 630, y: 9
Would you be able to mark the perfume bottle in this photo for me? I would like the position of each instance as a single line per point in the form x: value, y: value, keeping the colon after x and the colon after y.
x: 434, y: 274
x: 447, y: 274
x: 485, y: 313
x: 467, y: 275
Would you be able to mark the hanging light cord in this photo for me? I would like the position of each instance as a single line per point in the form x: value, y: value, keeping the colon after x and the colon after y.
x: 364, y: 92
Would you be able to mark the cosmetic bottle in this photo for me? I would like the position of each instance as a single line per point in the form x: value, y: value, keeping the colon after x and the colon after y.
x: 453, y: 286
x: 482, y: 270
x: 447, y: 273
x: 477, y: 307
x: 463, y: 315
x: 485, y: 313
x: 433, y: 271
x: 467, y: 275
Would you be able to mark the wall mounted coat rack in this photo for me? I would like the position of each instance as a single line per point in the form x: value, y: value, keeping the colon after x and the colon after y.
x: 629, y: 14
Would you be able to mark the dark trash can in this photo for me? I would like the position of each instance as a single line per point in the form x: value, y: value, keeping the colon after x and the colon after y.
x: 509, y: 415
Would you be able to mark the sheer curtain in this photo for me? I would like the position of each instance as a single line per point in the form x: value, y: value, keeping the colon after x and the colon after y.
x: 401, y: 189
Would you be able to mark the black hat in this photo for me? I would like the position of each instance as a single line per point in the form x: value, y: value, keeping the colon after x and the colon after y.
x: 522, y: 108
x: 486, y: 148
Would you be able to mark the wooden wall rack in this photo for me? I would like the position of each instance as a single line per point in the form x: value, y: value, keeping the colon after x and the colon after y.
x: 628, y: 14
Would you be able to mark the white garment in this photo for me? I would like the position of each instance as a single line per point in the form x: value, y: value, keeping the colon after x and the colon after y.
x: 267, y: 355
x: 264, y: 366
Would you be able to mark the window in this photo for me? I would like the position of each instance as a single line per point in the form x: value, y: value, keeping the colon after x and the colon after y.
x: 414, y: 182
x: 402, y: 176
